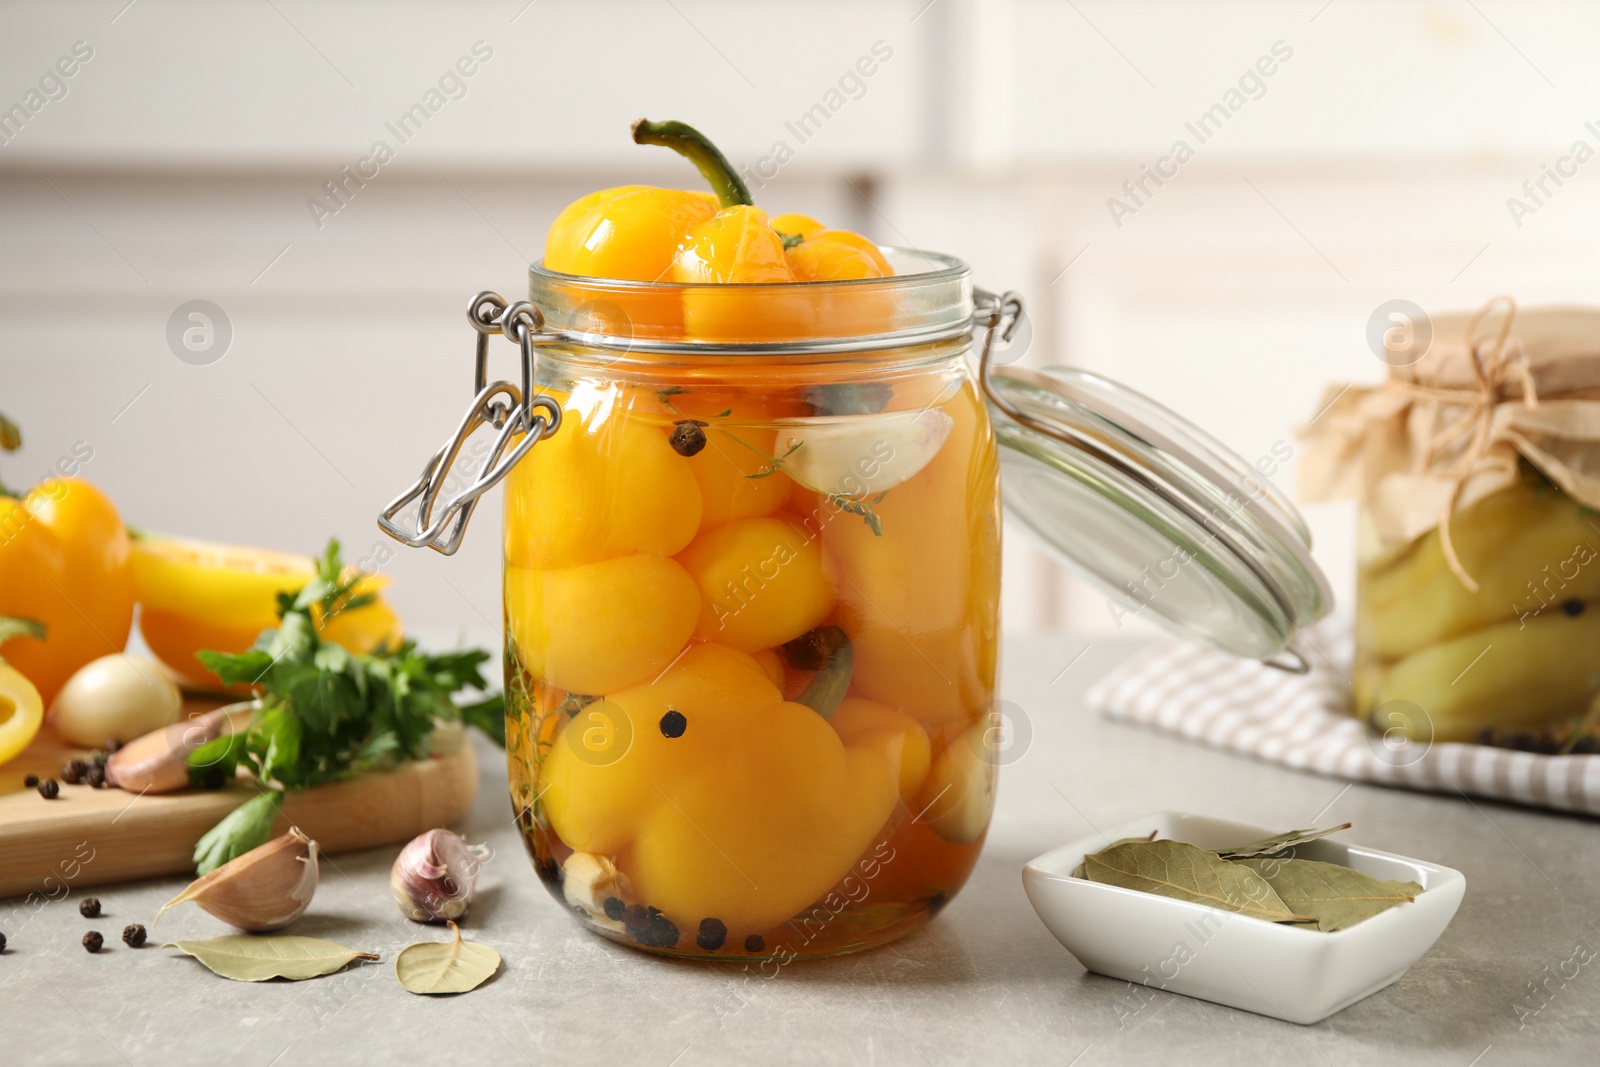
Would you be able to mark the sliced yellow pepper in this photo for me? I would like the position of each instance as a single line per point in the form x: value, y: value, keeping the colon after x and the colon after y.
x: 196, y: 595
x: 21, y: 710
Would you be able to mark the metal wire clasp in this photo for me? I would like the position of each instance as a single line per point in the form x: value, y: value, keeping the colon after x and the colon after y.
x: 509, y: 409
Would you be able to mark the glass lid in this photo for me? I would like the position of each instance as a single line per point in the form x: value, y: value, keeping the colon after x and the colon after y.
x: 1163, y: 518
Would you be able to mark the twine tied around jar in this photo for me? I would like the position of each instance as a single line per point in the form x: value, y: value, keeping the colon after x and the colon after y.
x: 1494, y: 388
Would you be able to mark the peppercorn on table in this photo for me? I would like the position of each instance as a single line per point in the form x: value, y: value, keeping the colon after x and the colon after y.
x: 1514, y: 974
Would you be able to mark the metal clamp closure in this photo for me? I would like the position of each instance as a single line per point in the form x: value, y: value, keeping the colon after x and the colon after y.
x: 500, y: 404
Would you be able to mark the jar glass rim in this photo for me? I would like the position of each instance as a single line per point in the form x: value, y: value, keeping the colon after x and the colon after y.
x: 929, y: 298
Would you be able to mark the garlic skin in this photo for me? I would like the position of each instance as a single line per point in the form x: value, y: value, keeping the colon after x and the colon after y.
x: 588, y: 880
x: 433, y: 877
x: 117, y: 696
x: 265, y: 889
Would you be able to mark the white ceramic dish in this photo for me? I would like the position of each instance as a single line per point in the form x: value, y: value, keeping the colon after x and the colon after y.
x: 1302, y: 976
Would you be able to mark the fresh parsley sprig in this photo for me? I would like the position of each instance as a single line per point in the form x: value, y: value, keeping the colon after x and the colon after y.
x: 327, y: 713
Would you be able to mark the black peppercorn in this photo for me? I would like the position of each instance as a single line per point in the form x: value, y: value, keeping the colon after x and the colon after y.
x: 1572, y: 607
x: 133, y: 936
x: 92, y: 941
x: 615, y: 909
x: 111, y: 745
x: 49, y: 789
x: 755, y: 943
x: 90, y: 907
x: 687, y: 437
x: 96, y: 776
x: 30, y: 781
x: 649, y: 927
x: 72, y: 771
x: 2, y: 942
x: 713, y: 932
x: 1587, y: 745
x: 673, y: 724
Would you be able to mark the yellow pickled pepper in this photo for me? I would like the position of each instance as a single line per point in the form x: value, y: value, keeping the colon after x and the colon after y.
x: 728, y: 802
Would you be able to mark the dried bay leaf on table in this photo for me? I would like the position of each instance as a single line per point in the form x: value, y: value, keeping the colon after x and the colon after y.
x: 1277, y: 843
x: 438, y: 967
x: 1337, y: 897
x: 250, y: 958
x: 1185, y: 872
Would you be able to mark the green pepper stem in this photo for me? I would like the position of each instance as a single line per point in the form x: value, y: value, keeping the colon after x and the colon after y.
x: 11, y: 626
x: 694, y: 146
x: 828, y: 686
x: 10, y: 441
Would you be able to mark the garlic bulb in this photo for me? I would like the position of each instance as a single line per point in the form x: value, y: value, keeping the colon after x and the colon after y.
x: 433, y: 877
x: 264, y: 889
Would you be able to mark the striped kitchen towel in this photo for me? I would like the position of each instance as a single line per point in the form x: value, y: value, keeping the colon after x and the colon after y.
x: 1304, y: 722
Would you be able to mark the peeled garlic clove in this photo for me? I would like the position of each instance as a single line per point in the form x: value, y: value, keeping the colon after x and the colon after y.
x: 857, y: 455
x: 589, y: 880
x: 433, y: 877
x: 158, y: 762
x: 264, y: 889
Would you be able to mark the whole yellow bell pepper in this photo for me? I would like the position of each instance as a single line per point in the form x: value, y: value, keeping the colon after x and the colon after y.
x: 63, y: 563
x: 728, y: 802
x: 739, y: 245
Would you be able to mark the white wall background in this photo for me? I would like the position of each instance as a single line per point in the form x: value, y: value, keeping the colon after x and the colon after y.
x: 1375, y: 163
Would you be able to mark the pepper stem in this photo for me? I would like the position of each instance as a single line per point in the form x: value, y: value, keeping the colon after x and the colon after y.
x: 694, y: 146
x: 10, y: 441
x: 11, y: 626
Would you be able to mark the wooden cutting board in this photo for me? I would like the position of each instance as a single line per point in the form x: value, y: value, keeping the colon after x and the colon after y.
x: 95, y: 836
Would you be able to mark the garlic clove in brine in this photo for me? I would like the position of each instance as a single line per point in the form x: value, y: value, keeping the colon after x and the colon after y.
x: 434, y: 876
x: 594, y: 888
x: 264, y: 889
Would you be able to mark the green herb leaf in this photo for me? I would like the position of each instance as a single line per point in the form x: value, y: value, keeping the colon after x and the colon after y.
x: 246, y: 827
x: 328, y: 713
x: 1181, y: 870
x: 252, y: 958
x: 1334, y: 896
x: 1276, y: 844
x: 433, y: 967
x: 488, y: 716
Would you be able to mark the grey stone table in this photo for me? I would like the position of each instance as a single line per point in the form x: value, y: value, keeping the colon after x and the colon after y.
x: 984, y: 983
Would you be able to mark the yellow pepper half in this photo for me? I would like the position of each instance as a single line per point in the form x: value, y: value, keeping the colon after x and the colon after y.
x: 196, y: 595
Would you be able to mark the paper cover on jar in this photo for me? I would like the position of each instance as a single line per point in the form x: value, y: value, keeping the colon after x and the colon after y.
x: 1494, y: 387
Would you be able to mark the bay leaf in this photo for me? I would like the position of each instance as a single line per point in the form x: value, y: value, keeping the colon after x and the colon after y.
x: 433, y: 967
x: 1278, y: 843
x: 1186, y: 872
x: 1337, y: 897
x: 1077, y: 872
x: 249, y: 958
